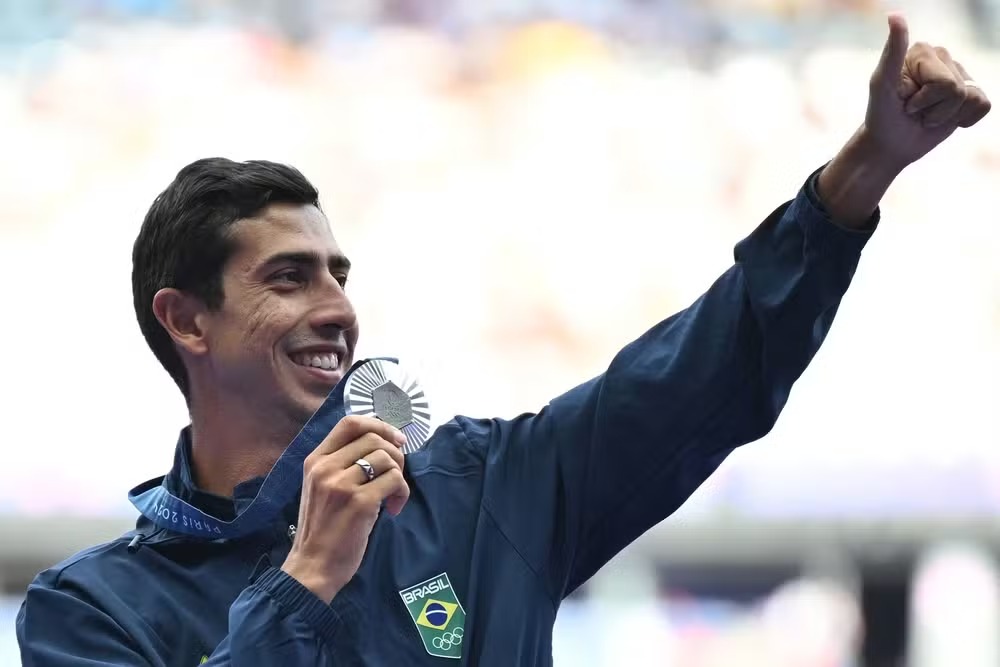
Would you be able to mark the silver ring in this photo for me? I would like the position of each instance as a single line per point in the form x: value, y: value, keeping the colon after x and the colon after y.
x: 971, y: 84
x: 367, y: 467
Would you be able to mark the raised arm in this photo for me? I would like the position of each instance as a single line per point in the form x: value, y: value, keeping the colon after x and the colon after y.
x: 574, y: 484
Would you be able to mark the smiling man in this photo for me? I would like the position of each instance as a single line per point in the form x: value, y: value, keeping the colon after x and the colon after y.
x: 239, y: 289
x: 255, y: 346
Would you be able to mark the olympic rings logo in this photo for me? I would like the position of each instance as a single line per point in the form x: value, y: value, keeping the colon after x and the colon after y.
x: 449, y: 639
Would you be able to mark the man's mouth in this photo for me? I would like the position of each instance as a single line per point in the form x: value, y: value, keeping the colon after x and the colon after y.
x: 327, y: 361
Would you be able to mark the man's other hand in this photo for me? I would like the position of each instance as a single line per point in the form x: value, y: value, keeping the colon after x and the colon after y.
x: 919, y: 95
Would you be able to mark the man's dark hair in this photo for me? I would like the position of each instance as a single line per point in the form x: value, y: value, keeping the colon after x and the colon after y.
x: 186, y: 237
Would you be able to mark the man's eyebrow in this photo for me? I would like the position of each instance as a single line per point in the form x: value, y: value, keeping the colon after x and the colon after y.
x: 335, y: 263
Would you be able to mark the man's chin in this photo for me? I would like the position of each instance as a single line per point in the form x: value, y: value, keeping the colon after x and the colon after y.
x: 311, y: 386
x: 304, y: 406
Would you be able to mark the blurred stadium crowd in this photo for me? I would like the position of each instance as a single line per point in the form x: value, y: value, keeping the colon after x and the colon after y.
x: 704, y: 23
x: 524, y: 186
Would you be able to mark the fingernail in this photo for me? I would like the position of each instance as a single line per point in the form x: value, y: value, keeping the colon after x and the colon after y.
x: 399, y: 438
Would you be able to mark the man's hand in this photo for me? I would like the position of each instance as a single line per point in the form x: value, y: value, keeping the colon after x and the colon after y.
x: 918, y: 96
x: 339, y: 505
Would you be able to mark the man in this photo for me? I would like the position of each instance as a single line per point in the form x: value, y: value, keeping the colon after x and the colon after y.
x: 239, y: 290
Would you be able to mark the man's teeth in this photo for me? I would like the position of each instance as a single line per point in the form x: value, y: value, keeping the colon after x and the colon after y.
x: 326, y: 361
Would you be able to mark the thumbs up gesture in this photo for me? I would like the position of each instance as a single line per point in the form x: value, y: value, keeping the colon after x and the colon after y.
x: 919, y: 95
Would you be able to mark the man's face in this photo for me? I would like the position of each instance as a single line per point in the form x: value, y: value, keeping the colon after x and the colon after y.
x: 286, y: 331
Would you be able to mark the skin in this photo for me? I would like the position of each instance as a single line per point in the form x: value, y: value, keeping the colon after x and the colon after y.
x: 249, y: 398
x: 918, y: 97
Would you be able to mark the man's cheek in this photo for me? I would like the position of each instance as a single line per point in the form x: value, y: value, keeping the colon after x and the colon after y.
x: 258, y: 325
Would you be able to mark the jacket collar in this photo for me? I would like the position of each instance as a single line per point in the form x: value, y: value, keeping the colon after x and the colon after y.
x: 180, y: 482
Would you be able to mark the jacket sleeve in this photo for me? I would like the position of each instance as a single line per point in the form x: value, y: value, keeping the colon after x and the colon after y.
x: 275, y: 621
x: 57, y: 628
x: 574, y: 484
x: 278, y: 621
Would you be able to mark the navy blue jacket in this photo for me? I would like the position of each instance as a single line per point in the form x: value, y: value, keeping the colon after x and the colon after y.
x: 506, y: 516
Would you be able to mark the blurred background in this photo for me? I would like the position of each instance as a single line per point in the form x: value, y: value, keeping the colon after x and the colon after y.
x: 524, y: 186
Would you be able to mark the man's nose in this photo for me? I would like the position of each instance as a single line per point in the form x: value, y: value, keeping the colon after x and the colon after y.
x: 334, y: 313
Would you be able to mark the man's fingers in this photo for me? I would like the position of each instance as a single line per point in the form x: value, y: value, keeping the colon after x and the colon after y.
x: 362, y: 448
x: 947, y: 95
x: 962, y: 72
x: 381, y: 462
x: 977, y: 103
x: 388, y: 484
x: 936, y: 80
x: 944, y: 111
x: 340, y: 474
x: 974, y: 111
x: 907, y: 87
x: 341, y: 466
x: 391, y: 487
x: 352, y: 427
x: 894, y: 52
x: 948, y: 108
x: 940, y: 93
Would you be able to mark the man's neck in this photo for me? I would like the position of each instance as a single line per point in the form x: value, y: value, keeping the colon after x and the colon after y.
x: 229, y: 448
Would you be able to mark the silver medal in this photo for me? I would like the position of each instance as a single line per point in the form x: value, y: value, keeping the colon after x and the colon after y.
x: 381, y: 388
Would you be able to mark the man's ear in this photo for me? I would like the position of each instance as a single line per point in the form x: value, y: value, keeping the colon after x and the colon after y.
x: 181, y: 315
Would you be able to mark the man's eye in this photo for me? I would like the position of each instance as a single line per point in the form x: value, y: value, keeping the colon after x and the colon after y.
x: 289, y: 276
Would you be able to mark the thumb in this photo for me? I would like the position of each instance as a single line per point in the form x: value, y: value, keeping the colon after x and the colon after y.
x: 894, y: 54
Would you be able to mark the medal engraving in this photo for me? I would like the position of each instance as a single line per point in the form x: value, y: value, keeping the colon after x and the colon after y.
x: 392, y: 405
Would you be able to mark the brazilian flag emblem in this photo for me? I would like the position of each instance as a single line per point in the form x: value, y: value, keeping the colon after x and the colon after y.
x: 438, y: 615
